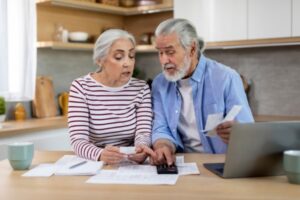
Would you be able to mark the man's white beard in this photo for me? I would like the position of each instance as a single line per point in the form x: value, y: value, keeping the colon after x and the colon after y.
x: 180, y: 73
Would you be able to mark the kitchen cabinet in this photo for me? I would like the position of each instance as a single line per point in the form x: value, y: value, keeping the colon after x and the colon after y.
x: 215, y: 20
x: 269, y: 18
x: 45, y: 133
x: 296, y: 18
x: 244, y: 23
x: 93, y: 18
x: 50, y: 140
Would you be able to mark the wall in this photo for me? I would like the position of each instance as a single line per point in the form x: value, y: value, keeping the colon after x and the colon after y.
x: 273, y: 71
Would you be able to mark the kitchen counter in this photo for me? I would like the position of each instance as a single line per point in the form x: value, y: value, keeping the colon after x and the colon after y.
x: 32, y: 125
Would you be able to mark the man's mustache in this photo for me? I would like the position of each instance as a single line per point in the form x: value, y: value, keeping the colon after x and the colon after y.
x: 169, y: 65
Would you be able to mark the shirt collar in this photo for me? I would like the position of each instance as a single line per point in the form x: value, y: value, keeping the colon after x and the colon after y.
x: 199, y: 71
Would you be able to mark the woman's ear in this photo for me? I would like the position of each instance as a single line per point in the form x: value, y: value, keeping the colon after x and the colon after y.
x: 98, y: 62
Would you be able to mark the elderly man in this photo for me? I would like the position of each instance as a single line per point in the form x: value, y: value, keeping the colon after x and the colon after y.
x: 190, y: 88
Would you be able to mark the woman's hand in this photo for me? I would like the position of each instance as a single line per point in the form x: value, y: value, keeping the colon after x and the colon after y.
x: 111, y: 155
x: 142, y: 152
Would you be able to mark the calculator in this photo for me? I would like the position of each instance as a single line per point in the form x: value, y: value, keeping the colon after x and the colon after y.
x: 167, y: 169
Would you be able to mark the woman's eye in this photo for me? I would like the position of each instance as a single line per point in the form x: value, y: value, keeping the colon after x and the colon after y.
x: 132, y: 56
x: 118, y: 57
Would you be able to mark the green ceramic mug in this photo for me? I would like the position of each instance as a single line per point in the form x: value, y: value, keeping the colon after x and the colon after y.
x: 20, y: 155
x: 291, y: 164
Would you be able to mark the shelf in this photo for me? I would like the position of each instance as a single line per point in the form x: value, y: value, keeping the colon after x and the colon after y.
x: 86, y: 46
x: 253, y: 43
x: 97, y: 7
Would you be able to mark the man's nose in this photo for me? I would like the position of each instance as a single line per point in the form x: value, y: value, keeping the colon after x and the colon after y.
x: 164, y: 59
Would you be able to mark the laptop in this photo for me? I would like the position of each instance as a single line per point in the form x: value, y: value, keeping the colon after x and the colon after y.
x: 256, y: 149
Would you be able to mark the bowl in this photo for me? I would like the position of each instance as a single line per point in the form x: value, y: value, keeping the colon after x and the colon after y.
x: 78, y: 36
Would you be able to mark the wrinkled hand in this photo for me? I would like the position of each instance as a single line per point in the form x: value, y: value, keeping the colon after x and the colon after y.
x: 165, y: 153
x: 111, y: 155
x: 224, y: 130
x: 142, y: 152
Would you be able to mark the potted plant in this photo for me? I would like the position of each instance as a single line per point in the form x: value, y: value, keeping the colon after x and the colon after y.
x: 2, y: 110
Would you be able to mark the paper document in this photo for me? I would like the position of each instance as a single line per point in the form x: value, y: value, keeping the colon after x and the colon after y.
x: 187, y: 168
x: 214, y: 120
x: 64, y: 166
x: 116, y: 177
x: 179, y: 159
x: 127, y: 150
x: 42, y: 170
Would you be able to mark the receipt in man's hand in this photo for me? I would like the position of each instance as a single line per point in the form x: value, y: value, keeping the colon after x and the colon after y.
x: 214, y: 120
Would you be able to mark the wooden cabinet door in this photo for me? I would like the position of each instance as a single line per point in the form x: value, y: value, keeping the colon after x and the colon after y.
x: 269, y: 18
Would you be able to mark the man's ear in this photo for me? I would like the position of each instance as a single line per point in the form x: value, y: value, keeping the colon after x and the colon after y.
x: 193, y: 48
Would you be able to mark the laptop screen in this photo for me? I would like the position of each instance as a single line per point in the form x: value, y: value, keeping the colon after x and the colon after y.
x: 256, y: 149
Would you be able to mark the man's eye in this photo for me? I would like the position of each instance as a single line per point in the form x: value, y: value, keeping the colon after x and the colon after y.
x: 170, y: 52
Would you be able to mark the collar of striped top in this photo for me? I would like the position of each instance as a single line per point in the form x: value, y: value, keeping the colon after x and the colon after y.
x: 111, y: 89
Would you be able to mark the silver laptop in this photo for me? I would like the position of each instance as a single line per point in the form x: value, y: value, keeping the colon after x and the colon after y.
x: 256, y: 149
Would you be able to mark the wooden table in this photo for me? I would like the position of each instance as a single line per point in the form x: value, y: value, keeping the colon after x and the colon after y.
x: 203, y: 186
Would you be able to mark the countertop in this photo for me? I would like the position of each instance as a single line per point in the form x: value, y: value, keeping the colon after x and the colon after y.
x: 31, y: 125
x: 21, y: 127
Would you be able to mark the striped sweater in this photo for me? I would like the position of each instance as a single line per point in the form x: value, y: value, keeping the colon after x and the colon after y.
x: 100, y: 116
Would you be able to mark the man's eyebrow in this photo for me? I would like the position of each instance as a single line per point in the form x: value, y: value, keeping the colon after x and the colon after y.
x: 166, y: 48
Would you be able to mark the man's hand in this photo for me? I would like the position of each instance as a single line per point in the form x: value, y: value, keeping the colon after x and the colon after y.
x: 224, y: 130
x: 141, y: 154
x: 165, y: 152
x: 111, y: 155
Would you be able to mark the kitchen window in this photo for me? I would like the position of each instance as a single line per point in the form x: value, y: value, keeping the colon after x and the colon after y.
x: 17, y: 49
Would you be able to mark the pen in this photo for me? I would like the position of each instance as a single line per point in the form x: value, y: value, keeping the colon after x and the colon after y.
x: 78, y: 164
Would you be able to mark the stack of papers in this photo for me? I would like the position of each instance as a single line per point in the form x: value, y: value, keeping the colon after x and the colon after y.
x: 126, y: 174
x: 63, y: 167
x: 143, y: 174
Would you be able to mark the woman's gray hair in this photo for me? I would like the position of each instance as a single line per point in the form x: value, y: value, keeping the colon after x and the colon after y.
x: 105, y: 41
x: 184, y: 29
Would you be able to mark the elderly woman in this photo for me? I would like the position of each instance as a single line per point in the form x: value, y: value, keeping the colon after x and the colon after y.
x: 109, y: 108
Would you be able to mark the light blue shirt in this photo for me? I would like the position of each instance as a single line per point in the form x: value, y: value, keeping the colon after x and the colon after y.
x: 216, y: 88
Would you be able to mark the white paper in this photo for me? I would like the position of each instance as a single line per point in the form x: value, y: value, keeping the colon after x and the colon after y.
x: 115, y: 177
x: 179, y: 159
x: 235, y: 110
x: 63, y: 166
x: 187, y: 168
x: 127, y: 150
x: 214, y: 120
x: 42, y: 170
x: 137, y: 169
